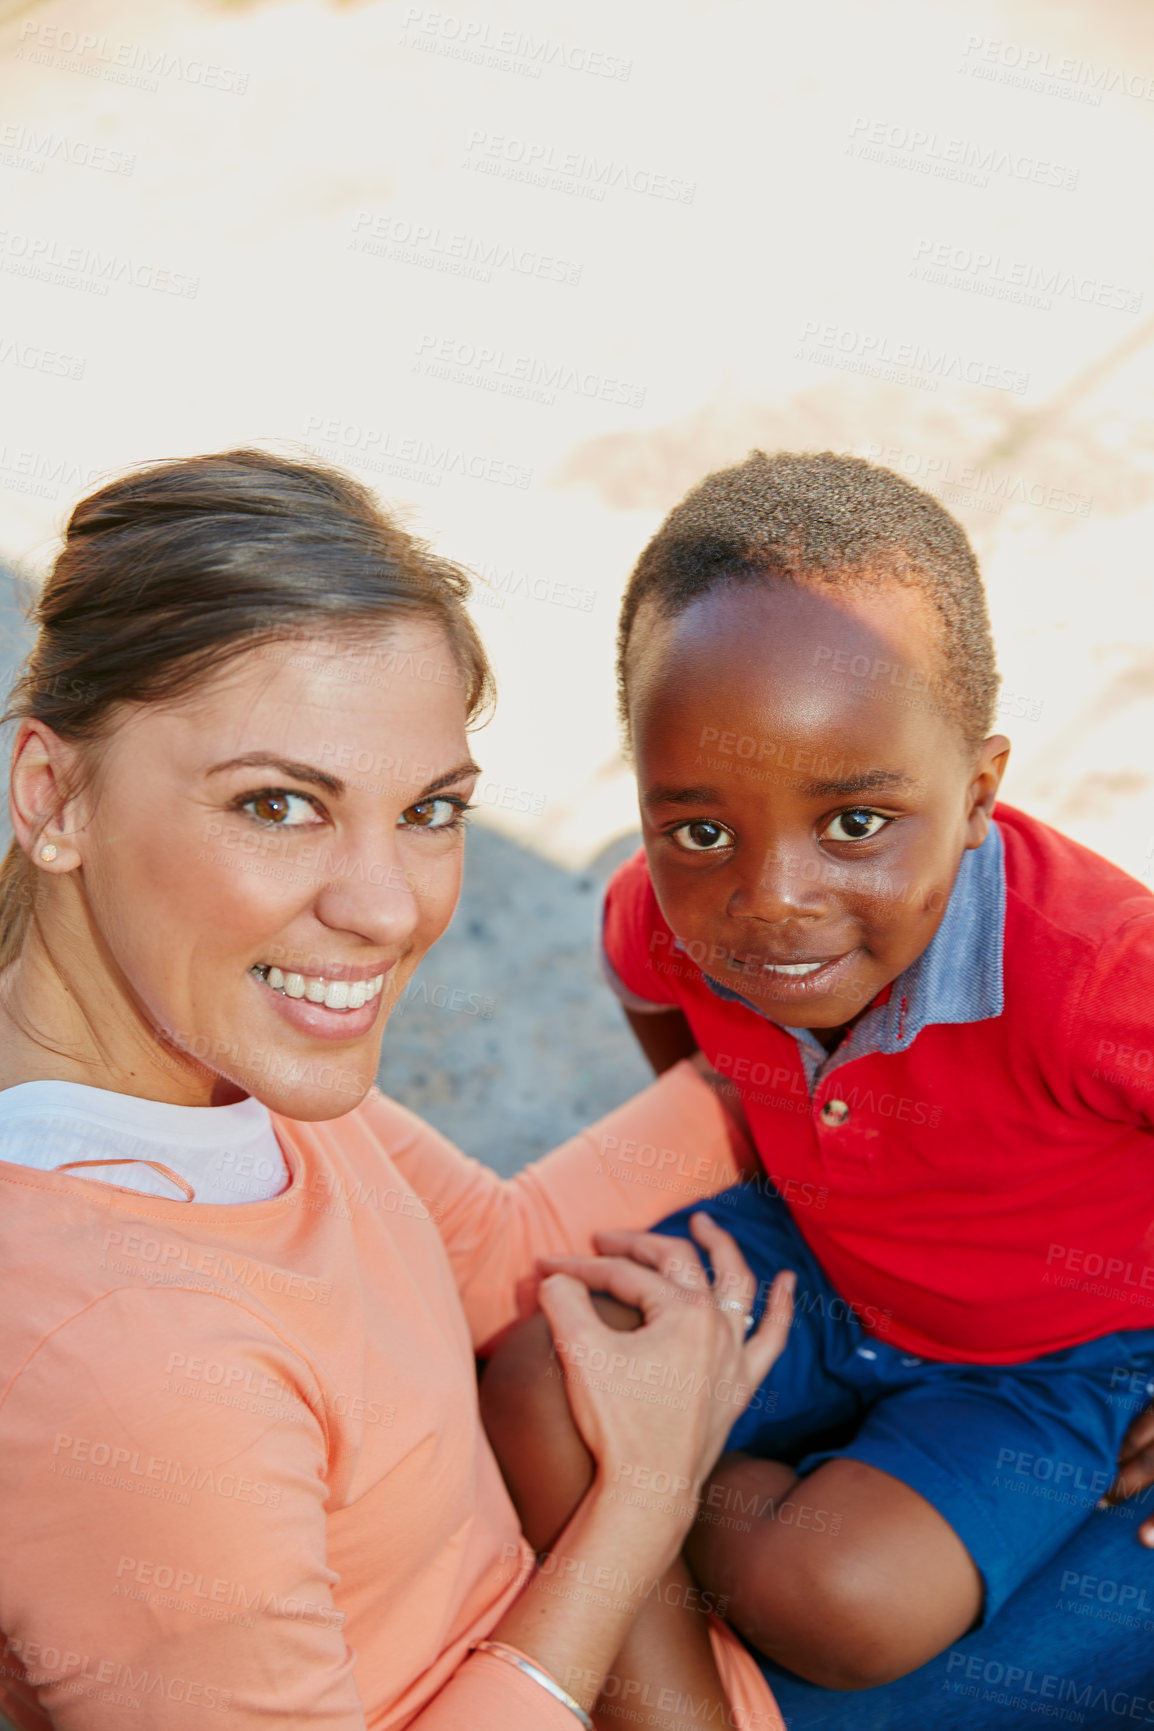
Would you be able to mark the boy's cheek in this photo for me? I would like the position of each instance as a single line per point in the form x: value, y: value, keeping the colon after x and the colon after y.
x: 691, y: 911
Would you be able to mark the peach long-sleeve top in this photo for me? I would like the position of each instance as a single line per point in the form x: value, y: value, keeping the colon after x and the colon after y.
x: 243, y: 1479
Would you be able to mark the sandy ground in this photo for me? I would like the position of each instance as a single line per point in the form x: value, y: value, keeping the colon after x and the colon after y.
x: 530, y: 270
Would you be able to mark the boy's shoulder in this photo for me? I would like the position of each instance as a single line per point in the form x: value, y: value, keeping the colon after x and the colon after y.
x: 637, y: 945
x: 1053, y: 879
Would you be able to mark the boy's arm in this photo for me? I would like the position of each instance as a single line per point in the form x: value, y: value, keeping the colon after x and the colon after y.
x: 1136, y: 1469
x: 664, y: 1036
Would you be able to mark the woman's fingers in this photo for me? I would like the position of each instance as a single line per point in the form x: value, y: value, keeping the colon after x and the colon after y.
x: 569, y: 1311
x: 631, y: 1282
x: 769, y: 1339
x: 733, y: 1280
x: 674, y: 1258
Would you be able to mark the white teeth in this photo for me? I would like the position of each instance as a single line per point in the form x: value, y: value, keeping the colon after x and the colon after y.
x: 792, y: 967
x: 333, y: 994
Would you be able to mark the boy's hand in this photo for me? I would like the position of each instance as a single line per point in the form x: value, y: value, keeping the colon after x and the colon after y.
x: 1136, y: 1468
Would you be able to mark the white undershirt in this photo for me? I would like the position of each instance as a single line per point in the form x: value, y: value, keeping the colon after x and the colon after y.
x: 225, y: 1153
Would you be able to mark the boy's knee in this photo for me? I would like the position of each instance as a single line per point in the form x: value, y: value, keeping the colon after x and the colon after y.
x: 523, y: 1402
x: 834, y: 1620
x: 522, y: 1372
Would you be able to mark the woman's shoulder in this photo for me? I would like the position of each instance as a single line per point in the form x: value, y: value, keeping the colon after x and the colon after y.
x: 137, y: 1378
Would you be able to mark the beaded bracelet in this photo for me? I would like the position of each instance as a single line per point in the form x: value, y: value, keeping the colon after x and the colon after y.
x: 512, y: 1657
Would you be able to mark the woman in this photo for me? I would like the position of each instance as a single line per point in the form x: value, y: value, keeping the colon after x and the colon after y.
x: 243, y: 1470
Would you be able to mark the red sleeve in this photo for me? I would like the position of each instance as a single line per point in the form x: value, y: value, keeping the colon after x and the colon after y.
x: 637, y: 945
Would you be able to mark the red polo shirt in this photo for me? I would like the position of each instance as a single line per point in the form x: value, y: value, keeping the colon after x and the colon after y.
x: 981, y: 1191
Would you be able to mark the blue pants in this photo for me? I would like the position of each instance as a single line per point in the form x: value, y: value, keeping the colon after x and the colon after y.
x: 1073, y: 1646
x: 1014, y: 1457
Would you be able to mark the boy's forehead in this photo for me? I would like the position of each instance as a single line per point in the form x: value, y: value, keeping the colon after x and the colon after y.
x: 783, y: 627
x: 858, y: 665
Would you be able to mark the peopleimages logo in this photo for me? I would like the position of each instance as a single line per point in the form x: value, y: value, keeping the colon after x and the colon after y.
x: 130, y: 1470
x: 540, y: 163
x: 1021, y: 281
x: 139, y: 64
x: 504, y: 49
x: 134, y: 1252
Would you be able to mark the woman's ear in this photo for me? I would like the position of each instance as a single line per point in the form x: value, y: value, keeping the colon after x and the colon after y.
x: 985, y: 780
x: 41, y: 800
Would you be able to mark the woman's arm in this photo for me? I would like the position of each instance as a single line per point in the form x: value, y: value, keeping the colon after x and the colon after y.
x: 671, y: 1145
x: 628, y: 1545
x: 167, y: 1551
x: 165, y: 1539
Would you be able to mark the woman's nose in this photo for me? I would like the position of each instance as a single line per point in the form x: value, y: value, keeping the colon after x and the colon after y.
x: 367, y: 891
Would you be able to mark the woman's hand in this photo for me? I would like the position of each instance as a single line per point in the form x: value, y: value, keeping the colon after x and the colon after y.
x: 663, y: 1398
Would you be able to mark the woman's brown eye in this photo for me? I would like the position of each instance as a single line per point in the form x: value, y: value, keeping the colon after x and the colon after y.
x: 280, y: 807
x: 271, y: 807
x: 434, y: 814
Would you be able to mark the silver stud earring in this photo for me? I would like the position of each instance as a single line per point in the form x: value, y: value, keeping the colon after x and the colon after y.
x: 48, y: 852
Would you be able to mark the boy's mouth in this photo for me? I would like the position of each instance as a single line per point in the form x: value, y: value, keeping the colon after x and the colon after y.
x: 789, y: 970
x: 798, y: 969
x: 806, y: 977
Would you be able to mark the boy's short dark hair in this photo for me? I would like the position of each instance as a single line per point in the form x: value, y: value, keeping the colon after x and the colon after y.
x: 839, y: 522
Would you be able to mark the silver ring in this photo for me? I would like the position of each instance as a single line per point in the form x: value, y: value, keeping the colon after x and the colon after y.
x: 736, y: 1304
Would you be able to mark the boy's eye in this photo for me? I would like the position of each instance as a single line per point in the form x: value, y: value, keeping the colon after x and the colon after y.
x: 433, y: 814
x: 854, y: 826
x: 276, y: 805
x: 702, y: 836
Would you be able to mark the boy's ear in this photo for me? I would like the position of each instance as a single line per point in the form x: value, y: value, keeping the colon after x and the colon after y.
x: 985, y: 780
x: 39, y: 804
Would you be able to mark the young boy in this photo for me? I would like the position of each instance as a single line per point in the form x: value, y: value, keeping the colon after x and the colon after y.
x: 936, y: 1014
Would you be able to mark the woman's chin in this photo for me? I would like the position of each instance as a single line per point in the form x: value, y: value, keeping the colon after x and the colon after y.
x: 326, y: 1088
x: 309, y: 1080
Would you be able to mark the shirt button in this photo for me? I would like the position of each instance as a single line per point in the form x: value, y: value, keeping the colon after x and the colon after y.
x: 834, y: 1112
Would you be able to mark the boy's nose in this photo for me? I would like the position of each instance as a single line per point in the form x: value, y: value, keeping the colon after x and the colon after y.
x: 788, y: 885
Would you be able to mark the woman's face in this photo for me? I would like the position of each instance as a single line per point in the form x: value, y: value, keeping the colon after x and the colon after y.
x: 265, y: 864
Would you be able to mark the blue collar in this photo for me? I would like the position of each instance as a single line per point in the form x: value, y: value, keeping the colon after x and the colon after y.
x: 957, y: 977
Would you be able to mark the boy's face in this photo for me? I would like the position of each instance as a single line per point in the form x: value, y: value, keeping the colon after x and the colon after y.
x: 804, y: 802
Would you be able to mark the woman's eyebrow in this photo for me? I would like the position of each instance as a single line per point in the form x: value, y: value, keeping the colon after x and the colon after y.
x: 452, y: 775
x: 331, y: 783
x: 285, y: 766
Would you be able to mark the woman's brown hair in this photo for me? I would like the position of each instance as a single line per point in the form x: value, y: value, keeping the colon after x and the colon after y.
x: 173, y: 569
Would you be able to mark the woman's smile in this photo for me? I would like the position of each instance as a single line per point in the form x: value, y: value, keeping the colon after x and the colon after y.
x: 325, y: 1009
x: 347, y: 989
